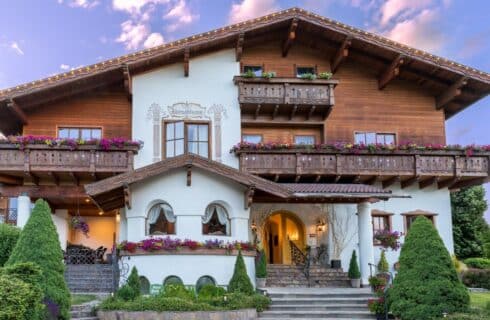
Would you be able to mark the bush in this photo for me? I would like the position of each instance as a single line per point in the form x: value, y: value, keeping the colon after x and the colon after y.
x: 19, y: 300
x: 473, y: 315
x: 178, y: 291
x: 8, y: 238
x: 477, y: 278
x: 261, y: 265
x: 132, y: 289
x: 427, y: 284
x: 354, y: 272
x: 236, y: 301
x: 240, y: 282
x: 38, y: 243
x: 478, y: 263
x: 155, y: 303
x: 383, y: 265
x: 211, y: 291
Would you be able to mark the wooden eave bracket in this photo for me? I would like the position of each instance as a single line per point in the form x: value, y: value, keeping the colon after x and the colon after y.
x: 451, y: 92
x: 391, y: 72
x: 189, y: 174
x: 407, y: 183
x: 291, y: 37
x: 249, y: 195
x: 17, y: 111
x: 187, y: 54
x: 128, y: 86
x: 390, y: 181
x: 341, y: 54
x: 424, y: 184
x: 127, y: 196
x: 239, y: 46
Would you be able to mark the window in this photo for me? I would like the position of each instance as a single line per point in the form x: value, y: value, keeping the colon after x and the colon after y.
x: 215, y: 221
x: 172, y: 280
x: 79, y: 133
x: 252, y: 138
x: 300, y: 71
x: 373, y: 137
x: 186, y: 137
x: 204, y: 280
x: 304, y: 139
x: 381, y: 221
x: 144, y: 285
x: 161, y: 219
x: 257, y: 70
x: 410, y: 218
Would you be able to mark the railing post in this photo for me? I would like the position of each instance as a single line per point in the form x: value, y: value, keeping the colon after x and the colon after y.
x: 457, y: 167
x: 130, y: 162
x: 298, y: 163
x: 92, y: 161
x: 27, y: 161
x: 331, y: 98
x: 286, y: 93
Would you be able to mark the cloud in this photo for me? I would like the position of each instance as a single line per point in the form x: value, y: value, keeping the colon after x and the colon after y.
x: 85, y: 4
x: 249, y: 9
x: 153, y: 40
x: 133, y: 34
x: 14, y: 45
x: 136, y: 7
x: 400, y: 8
x: 64, y: 67
x: 180, y: 15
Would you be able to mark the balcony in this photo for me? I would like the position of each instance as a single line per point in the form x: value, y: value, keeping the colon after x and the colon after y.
x: 451, y: 169
x: 285, y: 99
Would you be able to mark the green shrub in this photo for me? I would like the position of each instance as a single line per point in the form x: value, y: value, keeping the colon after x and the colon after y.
x: 478, y: 263
x: 132, y: 289
x: 354, y: 272
x: 240, y: 282
x: 236, y: 301
x: 178, y: 291
x: 38, y: 243
x: 261, y: 265
x: 19, y: 300
x: 477, y: 278
x: 383, y: 265
x: 427, y: 284
x: 155, y: 303
x: 473, y: 315
x: 8, y: 238
x: 211, y: 291
x: 126, y: 293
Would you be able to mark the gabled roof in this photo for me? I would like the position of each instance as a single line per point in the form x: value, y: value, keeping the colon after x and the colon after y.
x: 422, y: 67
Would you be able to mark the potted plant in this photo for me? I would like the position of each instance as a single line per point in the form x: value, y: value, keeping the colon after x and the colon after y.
x: 325, y: 75
x: 383, y: 266
x: 269, y: 75
x: 261, y: 270
x: 377, y: 306
x: 354, y: 274
x: 308, y: 76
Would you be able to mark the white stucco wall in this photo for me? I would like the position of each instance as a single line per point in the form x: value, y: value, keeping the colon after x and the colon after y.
x: 61, y: 222
x: 210, y: 83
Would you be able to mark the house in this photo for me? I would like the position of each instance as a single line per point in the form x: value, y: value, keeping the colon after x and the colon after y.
x: 291, y: 130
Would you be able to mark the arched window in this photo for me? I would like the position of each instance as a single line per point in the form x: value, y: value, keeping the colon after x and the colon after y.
x: 144, y: 285
x: 204, y: 280
x: 216, y: 221
x: 161, y: 219
x: 172, y: 280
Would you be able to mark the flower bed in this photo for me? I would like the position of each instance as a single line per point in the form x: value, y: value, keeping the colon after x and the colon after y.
x: 357, y: 148
x: 21, y: 142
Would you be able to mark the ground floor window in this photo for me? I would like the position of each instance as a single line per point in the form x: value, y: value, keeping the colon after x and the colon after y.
x: 161, y: 219
x: 381, y: 221
x: 411, y: 216
x: 204, y: 280
x: 172, y: 280
x: 216, y: 221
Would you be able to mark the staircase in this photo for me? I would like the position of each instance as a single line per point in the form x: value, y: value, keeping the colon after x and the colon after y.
x: 90, y: 278
x: 83, y: 312
x: 281, y: 275
x: 318, y: 303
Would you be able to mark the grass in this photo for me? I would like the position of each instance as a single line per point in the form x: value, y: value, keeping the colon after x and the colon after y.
x: 480, y: 299
x: 81, y: 298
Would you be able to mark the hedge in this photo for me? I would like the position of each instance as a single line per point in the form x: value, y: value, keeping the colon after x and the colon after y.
x: 8, y: 238
x: 477, y: 263
x: 477, y: 278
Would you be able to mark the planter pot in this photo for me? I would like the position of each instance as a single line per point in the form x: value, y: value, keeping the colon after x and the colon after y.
x: 260, y: 282
x: 355, y: 283
x: 380, y: 316
x: 336, y: 264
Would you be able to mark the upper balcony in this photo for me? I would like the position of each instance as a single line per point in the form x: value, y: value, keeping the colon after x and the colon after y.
x: 446, y: 168
x: 39, y: 162
x: 285, y: 99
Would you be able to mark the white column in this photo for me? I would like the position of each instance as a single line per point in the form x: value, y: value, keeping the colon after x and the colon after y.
x: 60, y: 220
x: 23, y: 210
x: 366, y: 251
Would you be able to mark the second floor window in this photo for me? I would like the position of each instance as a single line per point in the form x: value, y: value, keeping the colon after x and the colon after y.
x: 304, y: 139
x: 301, y: 71
x: 186, y: 137
x: 374, y: 137
x: 381, y: 221
x: 256, y: 70
x: 79, y: 133
x: 252, y: 138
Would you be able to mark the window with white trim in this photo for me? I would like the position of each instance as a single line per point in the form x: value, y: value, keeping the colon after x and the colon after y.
x: 252, y: 138
x: 186, y: 137
x: 216, y: 221
x: 79, y: 133
x: 374, y: 137
x: 306, y: 139
x: 161, y: 219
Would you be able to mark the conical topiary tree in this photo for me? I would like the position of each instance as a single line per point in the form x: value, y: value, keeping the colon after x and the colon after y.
x: 427, y: 284
x: 261, y: 266
x: 240, y: 282
x: 354, y: 272
x: 38, y: 243
x: 383, y: 265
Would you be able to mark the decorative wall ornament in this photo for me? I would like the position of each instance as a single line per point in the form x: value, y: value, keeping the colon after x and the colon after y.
x: 187, y: 110
x: 156, y: 113
x: 218, y: 112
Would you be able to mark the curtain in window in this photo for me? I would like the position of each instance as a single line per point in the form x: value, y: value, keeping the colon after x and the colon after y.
x: 155, y: 213
x: 222, y: 216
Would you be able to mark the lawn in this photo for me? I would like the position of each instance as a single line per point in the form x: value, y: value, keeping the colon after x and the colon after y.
x: 81, y: 298
x: 480, y: 299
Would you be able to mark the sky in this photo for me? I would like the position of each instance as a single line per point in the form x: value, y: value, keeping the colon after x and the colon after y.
x: 39, y: 38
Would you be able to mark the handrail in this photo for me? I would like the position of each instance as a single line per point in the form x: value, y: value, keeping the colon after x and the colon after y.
x: 385, y: 290
x: 300, y: 258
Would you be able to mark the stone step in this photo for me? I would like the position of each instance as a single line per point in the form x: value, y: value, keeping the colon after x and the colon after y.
x: 320, y: 301
x: 81, y: 314
x: 329, y: 307
x: 266, y: 318
x: 86, y: 318
x: 317, y: 314
x: 319, y: 295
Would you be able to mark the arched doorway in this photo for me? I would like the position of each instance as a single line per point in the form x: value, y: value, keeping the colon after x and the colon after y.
x: 281, y: 230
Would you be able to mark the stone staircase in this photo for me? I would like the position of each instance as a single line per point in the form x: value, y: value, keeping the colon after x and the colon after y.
x: 280, y: 275
x: 318, y: 303
x: 89, y: 278
x: 83, y: 312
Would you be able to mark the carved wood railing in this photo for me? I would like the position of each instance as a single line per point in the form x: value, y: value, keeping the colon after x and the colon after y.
x: 396, y: 163
x: 42, y: 158
x: 286, y: 91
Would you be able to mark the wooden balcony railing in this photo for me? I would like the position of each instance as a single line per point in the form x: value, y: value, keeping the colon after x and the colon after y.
x: 446, y: 168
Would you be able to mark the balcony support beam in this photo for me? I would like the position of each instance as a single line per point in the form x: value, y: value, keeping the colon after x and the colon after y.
x: 257, y: 111
x: 276, y: 110
x: 341, y: 54
x: 248, y: 197
x: 17, y: 111
x: 239, y: 46
x: 409, y: 182
x: 127, y: 196
x: 128, y: 86
x: 467, y: 183
x: 187, y: 54
x: 293, y: 112
x: 390, y: 181
x: 10, y: 180
x: 447, y: 183
x: 310, y: 113
x: 291, y: 37
x: 452, y: 92
x: 391, y: 72
x: 428, y: 182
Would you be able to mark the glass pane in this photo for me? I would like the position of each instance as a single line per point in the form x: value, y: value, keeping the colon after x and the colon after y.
x: 203, y: 132
x: 360, y: 138
x: 192, y: 147
x: 192, y: 132
x: 257, y: 70
x: 169, y: 149
x: 74, y: 133
x: 169, y: 133
x: 86, y: 134
x: 370, y: 137
x: 96, y: 133
x: 389, y: 138
x: 179, y: 147
x: 304, y: 70
x: 63, y: 133
x: 252, y: 138
x: 203, y: 149
x: 179, y: 130
x: 13, y: 203
x: 304, y: 139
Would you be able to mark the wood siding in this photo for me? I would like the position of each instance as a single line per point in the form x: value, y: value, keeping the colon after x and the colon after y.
x: 403, y: 107
x: 110, y: 110
x: 284, y: 134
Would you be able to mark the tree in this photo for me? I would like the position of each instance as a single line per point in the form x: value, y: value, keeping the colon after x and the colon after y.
x: 354, y: 272
x: 261, y: 266
x: 8, y: 238
x: 427, y: 284
x: 240, y: 282
x: 132, y: 288
x: 468, y: 207
x: 38, y: 243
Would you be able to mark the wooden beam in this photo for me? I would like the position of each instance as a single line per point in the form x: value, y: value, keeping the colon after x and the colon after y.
x: 276, y: 178
x: 128, y: 86
x: 327, y: 113
x: 452, y: 92
x: 74, y: 177
x: 127, y: 196
x: 447, y: 182
x: 293, y: 112
x: 276, y: 110
x: 297, y: 178
x: 257, y: 111
x: 428, y: 182
x: 32, y: 178
x: 189, y: 175
x: 390, y: 181
x: 239, y: 46
x: 17, y: 111
x: 187, y: 54
x: 291, y: 37
x: 249, y: 195
x: 11, y: 180
x: 407, y: 183
x: 43, y: 191
x: 341, y: 54
x: 318, y: 178
x: 310, y: 113
x: 55, y: 178
x: 337, y: 178
x: 391, y: 72
x: 356, y: 179
x: 467, y: 183
x: 373, y: 180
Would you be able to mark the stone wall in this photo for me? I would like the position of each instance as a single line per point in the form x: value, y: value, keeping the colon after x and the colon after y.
x: 246, y: 314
